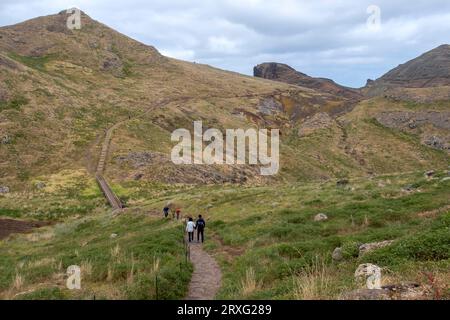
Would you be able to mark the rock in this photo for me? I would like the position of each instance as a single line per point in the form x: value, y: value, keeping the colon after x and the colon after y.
x: 342, y: 182
x: 366, y: 247
x: 111, y: 63
x: 366, y: 294
x: 5, y: 139
x: 408, y: 188
x: 113, y: 235
x: 371, y: 273
x: 138, y: 176
x: 284, y: 73
x: 429, y: 174
x: 93, y: 44
x: 407, y: 291
x: 4, y: 189
x: 320, y: 217
x: 318, y: 121
x: 337, y: 254
x: 403, y: 119
x: 437, y: 142
x: 270, y: 106
x: 40, y: 185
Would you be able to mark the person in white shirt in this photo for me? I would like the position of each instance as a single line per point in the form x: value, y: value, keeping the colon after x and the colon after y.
x: 190, y: 226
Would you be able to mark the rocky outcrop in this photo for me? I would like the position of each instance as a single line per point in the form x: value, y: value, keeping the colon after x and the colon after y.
x: 367, y: 247
x: 319, y: 121
x: 156, y: 166
x: 403, y: 291
x: 270, y: 106
x: 412, y: 120
x: 284, y: 73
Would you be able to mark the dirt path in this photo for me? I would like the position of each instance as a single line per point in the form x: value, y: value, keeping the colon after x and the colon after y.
x: 207, y: 277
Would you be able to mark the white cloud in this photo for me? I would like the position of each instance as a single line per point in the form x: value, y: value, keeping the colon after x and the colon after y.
x: 327, y: 38
x: 222, y: 45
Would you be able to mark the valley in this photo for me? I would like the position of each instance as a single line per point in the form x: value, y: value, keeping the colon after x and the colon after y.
x: 89, y: 106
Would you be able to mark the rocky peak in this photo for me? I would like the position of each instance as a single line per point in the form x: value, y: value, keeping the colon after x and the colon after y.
x: 284, y: 73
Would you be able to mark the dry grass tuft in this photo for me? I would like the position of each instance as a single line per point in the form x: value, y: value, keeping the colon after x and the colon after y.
x: 18, y: 281
x: 249, y: 284
x: 313, y: 282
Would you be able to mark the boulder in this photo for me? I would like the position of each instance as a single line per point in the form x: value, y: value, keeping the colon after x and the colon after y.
x: 4, y: 189
x: 5, y: 139
x: 370, y: 273
x: 405, y: 291
x: 429, y: 173
x: 366, y: 247
x: 320, y: 217
x: 366, y: 294
x: 337, y: 254
x: 40, y: 185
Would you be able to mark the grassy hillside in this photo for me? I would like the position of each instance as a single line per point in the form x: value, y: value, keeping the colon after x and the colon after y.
x: 265, y: 239
x: 61, y: 91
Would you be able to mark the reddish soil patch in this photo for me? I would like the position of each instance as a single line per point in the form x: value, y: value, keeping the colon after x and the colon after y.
x: 8, y: 226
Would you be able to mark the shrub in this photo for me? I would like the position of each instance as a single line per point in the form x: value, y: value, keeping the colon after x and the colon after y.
x: 432, y: 244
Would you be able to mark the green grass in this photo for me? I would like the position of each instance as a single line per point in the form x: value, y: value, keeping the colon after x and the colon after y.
x: 14, y: 104
x: 264, y: 238
x: 37, y: 63
x: 274, y: 230
x: 145, y: 253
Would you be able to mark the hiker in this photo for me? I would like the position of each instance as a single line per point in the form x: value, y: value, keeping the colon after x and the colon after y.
x: 166, y: 211
x: 190, y: 226
x: 178, y: 213
x: 200, y: 226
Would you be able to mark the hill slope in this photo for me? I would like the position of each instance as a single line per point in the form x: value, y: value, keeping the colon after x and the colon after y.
x: 431, y: 69
x: 62, y: 89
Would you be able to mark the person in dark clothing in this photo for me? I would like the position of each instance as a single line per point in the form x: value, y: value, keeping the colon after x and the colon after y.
x: 201, y: 224
x: 166, y: 211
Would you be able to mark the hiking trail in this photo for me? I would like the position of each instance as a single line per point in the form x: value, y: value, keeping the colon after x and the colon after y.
x: 207, y: 277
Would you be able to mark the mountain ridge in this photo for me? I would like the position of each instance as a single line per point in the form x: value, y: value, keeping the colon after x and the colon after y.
x: 61, y: 90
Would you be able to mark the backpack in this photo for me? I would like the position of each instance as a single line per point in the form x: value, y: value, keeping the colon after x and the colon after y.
x: 200, y: 224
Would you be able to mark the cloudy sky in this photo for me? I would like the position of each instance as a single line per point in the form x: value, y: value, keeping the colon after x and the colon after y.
x: 324, y: 38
